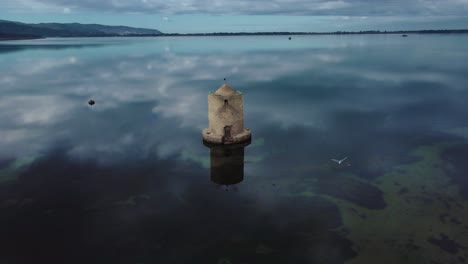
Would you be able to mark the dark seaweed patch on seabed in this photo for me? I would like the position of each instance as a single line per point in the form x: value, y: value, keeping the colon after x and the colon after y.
x: 148, y: 212
x: 359, y: 192
x: 457, y: 157
x: 4, y: 163
x: 446, y: 244
x: 403, y: 191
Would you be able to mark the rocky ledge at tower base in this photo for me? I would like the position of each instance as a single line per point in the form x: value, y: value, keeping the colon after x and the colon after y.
x: 209, y: 137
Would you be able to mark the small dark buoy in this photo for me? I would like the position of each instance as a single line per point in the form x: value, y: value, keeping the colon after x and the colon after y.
x: 289, y: 38
x: 404, y: 36
x: 91, y: 102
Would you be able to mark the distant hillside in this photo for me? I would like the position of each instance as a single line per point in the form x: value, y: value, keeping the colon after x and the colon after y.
x: 71, y: 30
x: 8, y: 36
x: 10, y: 30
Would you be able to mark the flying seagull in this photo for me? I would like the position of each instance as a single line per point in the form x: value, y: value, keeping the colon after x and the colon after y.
x: 339, y: 161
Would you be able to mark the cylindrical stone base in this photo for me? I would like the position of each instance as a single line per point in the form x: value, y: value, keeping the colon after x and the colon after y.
x: 227, y: 163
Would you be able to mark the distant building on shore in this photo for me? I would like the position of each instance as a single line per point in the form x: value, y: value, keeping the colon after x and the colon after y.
x: 226, y: 117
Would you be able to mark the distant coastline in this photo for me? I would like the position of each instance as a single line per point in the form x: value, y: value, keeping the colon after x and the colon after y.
x: 9, y: 36
x: 444, y: 31
x: 220, y: 34
x: 11, y: 30
x: 20, y: 38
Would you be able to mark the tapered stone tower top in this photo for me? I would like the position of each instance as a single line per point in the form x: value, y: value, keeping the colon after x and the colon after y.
x: 226, y: 90
x: 226, y: 117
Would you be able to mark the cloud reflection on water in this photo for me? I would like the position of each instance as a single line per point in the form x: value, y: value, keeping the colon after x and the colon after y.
x: 137, y: 156
x: 289, y: 87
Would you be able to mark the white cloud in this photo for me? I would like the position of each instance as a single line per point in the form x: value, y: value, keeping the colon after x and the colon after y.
x: 331, y: 5
x: 311, y: 7
x: 34, y: 110
x: 28, y: 66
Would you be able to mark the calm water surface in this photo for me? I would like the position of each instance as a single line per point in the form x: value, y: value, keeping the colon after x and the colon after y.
x: 130, y: 181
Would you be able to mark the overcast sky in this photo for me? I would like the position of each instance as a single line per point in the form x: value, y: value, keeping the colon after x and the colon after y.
x: 246, y: 15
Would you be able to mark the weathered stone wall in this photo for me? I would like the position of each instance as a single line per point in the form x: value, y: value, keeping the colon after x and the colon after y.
x: 225, y: 111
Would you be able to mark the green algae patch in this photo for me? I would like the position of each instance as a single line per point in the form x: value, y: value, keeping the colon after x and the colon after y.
x: 338, y: 183
x: 263, y: 250
x: 422, y: 203
x: 224, y: 261
x: 307, y: 194
x: 130, y: 202
x: 201, y: 160
x: 445, y: 243
x: 7, y: 175
x: 11, y: 172
x: 254, y: 159
x: 456, y: 166
x: 6, y: 162
x: 260, y: 142
x: 351, y: 189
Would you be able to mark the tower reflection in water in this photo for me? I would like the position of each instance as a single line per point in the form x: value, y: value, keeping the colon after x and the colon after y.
x: 227, y: 163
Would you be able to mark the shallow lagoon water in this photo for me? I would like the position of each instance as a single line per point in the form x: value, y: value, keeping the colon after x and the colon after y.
x: 129, y: 180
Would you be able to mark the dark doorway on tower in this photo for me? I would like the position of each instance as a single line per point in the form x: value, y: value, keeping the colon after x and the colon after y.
x: 227, y: 134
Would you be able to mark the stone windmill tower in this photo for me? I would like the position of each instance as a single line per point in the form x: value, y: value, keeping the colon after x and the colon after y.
x: 226, y: 117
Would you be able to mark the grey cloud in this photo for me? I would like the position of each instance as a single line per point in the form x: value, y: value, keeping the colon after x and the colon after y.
x: 287, y: 7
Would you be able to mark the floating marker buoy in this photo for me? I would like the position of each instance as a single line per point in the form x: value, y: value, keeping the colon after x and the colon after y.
x: 91, y: 102
x: 289, y: 38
